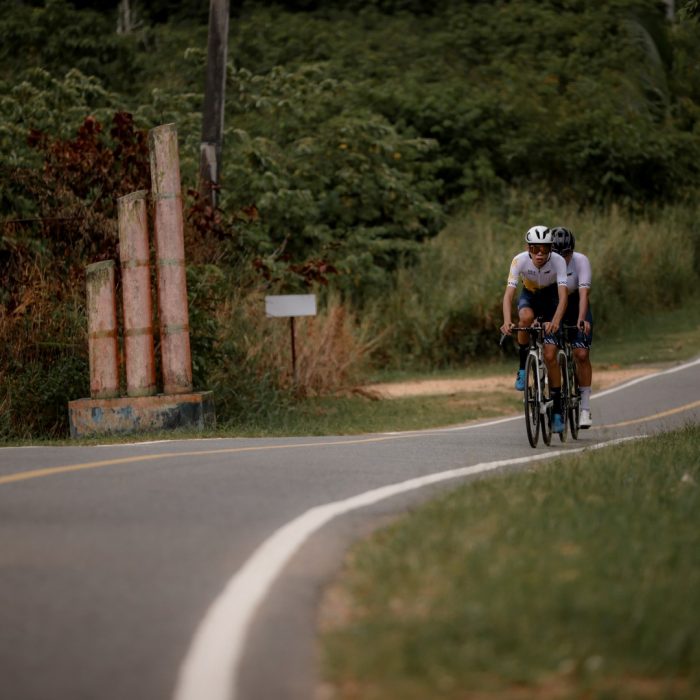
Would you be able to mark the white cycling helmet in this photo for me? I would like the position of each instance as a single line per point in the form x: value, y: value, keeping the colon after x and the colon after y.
x: 539, y: 234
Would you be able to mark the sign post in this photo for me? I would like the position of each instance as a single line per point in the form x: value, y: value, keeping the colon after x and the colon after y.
x: 290, y: 306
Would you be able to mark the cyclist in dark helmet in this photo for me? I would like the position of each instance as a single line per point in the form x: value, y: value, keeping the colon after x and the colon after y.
x: 544, y: 295
x: 578, y: 313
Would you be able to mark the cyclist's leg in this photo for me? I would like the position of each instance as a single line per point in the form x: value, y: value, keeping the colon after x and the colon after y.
x: 582, y: 346
x: 526, y: 316
x: 584, y: 370
x: 550, y: 299
x: 550, y: 359
x: 578, y: 339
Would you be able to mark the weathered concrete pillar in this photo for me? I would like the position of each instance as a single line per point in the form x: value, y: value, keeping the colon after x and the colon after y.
x: 170, y: 260
x: 102, y: 330
x: 136, y: 294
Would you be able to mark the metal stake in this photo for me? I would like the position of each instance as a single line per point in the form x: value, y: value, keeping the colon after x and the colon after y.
x: 294, y: 350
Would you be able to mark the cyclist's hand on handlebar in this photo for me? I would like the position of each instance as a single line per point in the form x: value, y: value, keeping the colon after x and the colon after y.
x: 551, y: 327
x: 506, y: 328
x: 584, y: 327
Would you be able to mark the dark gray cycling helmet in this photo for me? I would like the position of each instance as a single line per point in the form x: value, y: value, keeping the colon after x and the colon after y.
x: 563, y: 240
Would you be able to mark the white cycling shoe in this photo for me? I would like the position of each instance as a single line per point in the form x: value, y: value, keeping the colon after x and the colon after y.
x: 585, y: 421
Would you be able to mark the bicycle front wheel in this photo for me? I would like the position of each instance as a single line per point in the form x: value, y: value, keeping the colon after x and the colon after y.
x: 574, y: 405
x: 531, y: 401
x: 565, y: 393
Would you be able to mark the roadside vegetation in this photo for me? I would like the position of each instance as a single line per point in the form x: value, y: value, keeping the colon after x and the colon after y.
x: 651, y: 340
x: 386, y: 156
x: 578, y: 578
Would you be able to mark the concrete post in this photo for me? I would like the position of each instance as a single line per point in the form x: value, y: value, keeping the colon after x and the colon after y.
x: 102, y: 330
x: 136, y: 294
x: 170, y: 260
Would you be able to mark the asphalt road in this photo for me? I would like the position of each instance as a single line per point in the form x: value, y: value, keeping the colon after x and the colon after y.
x: 192, y: 570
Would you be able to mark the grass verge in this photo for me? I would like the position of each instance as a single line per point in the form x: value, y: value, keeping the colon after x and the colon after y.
x: 577, y: 579
x: 653, y: 339
x: 671, y: 335
x: 346, y: 415
x: 357, y: 414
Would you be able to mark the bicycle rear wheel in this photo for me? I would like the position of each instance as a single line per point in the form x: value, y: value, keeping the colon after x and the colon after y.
x: 565, y: 393
x: 530, y: 402
x: 574, y: 405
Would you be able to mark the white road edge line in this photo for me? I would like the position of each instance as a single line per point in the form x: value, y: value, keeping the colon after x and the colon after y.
x: 612, y: 390
x: 645, y: 378
x: 210, y: 668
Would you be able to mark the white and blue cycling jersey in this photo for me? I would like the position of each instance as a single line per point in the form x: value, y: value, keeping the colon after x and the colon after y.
x: 534, y: 278
x: 578, y: 273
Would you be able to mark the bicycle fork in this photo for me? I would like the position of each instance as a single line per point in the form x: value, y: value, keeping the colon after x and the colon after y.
x: 541, y: 384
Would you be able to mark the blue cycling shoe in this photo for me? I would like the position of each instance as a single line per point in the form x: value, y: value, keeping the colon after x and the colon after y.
x: 520, y: 380
x: 557, y: 423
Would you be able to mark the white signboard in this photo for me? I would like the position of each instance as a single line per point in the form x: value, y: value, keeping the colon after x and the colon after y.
x: 286, y: 305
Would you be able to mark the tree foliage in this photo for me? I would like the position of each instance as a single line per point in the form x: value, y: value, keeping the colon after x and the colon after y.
x: 574, y: 97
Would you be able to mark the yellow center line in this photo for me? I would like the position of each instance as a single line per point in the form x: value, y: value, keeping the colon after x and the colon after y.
x: 68, y: 468
x: 50, y: 471
x: 654, y: 416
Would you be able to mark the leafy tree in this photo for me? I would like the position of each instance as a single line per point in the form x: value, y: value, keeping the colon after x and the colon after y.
x: 327, y: 179
x: 56, y: 37
x: 690, y: 9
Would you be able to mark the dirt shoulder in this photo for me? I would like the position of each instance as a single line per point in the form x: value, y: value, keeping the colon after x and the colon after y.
x: 602, y: 379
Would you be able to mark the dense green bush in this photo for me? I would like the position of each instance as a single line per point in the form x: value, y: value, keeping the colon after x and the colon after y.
x: 325, y: 179
x: 55, y: 36
x: 586, y: 100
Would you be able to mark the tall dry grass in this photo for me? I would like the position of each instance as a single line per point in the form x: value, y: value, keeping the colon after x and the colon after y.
x: 332, y: 348
x: 446, y: 309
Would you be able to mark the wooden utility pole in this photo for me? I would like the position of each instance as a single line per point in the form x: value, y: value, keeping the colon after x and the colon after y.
x: 214, y: 99
x: 126, y: 22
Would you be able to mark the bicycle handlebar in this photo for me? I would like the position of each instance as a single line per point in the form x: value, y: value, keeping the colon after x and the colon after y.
x: 538, y: 328
x: 527, y: 329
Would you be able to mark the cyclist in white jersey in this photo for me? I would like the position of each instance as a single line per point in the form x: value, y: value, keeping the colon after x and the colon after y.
x: 578, y: 313
x: 544, y: 296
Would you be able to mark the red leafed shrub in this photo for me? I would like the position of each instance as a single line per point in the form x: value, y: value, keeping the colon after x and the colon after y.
x: 89, y: 165
x: 76, y: 190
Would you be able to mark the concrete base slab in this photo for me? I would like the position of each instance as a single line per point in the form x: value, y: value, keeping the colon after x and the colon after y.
x: 131, y: 414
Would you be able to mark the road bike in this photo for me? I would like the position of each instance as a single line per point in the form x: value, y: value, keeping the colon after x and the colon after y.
x: 570, y: 394
x: 537, y: 399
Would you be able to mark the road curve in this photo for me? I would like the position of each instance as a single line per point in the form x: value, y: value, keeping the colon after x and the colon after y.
x: 192, y: 569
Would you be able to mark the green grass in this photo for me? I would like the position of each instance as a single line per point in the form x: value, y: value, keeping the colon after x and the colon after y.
x: 347, y: 415
x: 659, y: 337
x: 358, y: 414
x: 577, y: 579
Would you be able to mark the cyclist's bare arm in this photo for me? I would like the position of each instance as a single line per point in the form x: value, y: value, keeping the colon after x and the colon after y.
x: 583, y: 309
x: 507, y: 310
x: 555, y: 323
